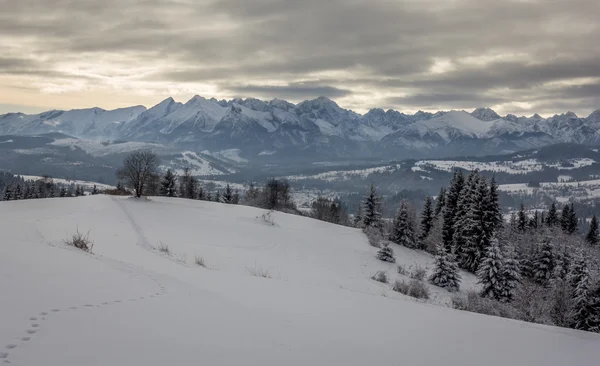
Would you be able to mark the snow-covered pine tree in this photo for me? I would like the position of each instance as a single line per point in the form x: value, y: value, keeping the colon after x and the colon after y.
x: 371, y: 209
x: 227, y: 195
x: 592, y: 237
x: 427, y: 217
x: 168, y: 184
x: 218, y: 196
x: 583, y: 312
x: 450, y: 207
x: 534, y: 221
x: 236, y: 197
x: 440, y: 202
x: 493, y: 211
x: 511, y: 275
x: 403, y: 232
x: 463, y: 224
x: 544, y: 263
x: 63, y: 192
x: 386, y: 254
x: 445, y: 272
x: 201, y: 194
x: 522, y: 220
x: 209, y: 196
x: 572, y: 221
x: 491, y: 272
x: 560, y: 291
x: 191, y: 188
x: 358, y: 217
x: 8, y: 193
x: 18, y: 193
x: 552, y: 218
x: 95, y: 190
x: 513, y: 222
x: 565, y: 218
x: 578, y: 268
x: 473, y: 226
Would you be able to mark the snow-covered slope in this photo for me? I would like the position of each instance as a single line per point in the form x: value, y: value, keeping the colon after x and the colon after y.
x: 130, y: 304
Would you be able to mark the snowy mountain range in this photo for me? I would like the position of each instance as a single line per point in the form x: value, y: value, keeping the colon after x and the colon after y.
x: 313, y: 128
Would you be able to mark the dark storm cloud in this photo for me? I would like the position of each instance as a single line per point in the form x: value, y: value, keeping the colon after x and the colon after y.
x: 382, y: 49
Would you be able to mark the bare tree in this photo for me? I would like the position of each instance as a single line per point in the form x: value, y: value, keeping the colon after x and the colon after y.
x: 139, y: 171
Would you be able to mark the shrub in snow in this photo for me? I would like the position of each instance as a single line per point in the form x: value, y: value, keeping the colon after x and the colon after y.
x: 402, y: 270
x: 380, y: 276
x: 200, y: 261
x: 80, y: 241
x: 258, y: 272
x: 418, y: 273
x: 445, y: 273
x: 267, y: 218
x: 386, y: 254
x: 414, y: 288
x: 374, y: 236
x: 474, y: 303
x: 163, y: 248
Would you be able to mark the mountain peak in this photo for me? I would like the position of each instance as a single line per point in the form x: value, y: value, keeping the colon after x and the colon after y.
x: 485, y: 114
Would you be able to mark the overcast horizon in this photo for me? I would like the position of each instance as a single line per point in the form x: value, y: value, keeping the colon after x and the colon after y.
x: 514, y: 56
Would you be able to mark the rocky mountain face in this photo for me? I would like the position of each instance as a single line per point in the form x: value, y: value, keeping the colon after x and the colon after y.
x: 312, y: 129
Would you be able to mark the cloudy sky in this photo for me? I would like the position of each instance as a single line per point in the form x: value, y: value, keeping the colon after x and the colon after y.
x: 516, y: 56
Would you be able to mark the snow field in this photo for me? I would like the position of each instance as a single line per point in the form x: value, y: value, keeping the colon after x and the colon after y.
x: 130, y: 304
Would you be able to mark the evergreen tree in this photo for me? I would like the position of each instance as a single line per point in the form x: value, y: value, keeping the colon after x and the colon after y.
x: 522, y: 220
x: 191, y: 187
x: 18, y: 194
x: 534, y: 221
x: 201, y: 195
x: 403, y: 232
x: 218, y: 196
x: 565, y: 218
x: 450, y: 208
x: 491, y: 272
x: 63, y: 192
x: 168, y: 184
x: 228, y: 195
x: 358, y: 217
x: 95, y: 190
x: 578, y: 268
x: 514, y: 227
x: 8, y: 193
x: 251, y: 193
x: 493, y: 211
x: 371, y: 209
x: 386, y: 254
x: 543, y: 265
x: 511, y: 276
x: 236, y: 197
x: 572, y: 221
x: 208, y: 196
x: 440, y: 202
x: 552, y: 219
x: 427, y: 217
x: 592, y: 235
x: 584, y: 314
x: 445, y: 273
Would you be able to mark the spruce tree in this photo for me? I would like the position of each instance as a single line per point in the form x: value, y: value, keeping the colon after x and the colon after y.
x: 445, y: 273
x: 578, y: 268
x: 371, y: 209
x: 440, y: 202
x: 543, y: 265
x: 572, y: 221
x: 236, y: 197
x: 8, y: 193
x: 201, y: 194
x: 386, y: 254
x: 583, y: 301
x: 473, y: 231
x: 168, y: 184
x: 491, y: 272
x: 464, y: 225
x: 493, y: 211
x: 565, y: 219
x: 552, y: 219
x: 427, y: 217
x: 95, y: 190
x: 511, y: 276
x: 522, y: 220
x: 450, y: 208
x: 403, y: 232
x: 534, y: 221
x: 191, y: 188
x: 18, y: 194
x: 513, y: 222
x: 592, y: 235
x: 218, y: 196
x: 227, y: 195
x: 63, y: 192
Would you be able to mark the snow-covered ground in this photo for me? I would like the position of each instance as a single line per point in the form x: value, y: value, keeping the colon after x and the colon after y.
x: 510, y: 167
x: 197, y: 165
x: 130, y: 304
x: 342, y: 175
x: 562, y: 191
x: 84, y: 183
x: 98, y: 148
